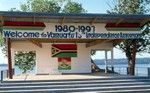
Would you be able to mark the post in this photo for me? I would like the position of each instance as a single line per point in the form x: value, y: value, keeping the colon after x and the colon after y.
x: 105, y: 61
x: 127, y: 70
x: 112, y: 60
x: 9, y: 58
x: 1, y: 76
x: 148, y: 71
x: 13, y: 71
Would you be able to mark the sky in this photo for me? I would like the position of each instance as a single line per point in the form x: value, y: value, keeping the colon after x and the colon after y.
x: 92, y: 6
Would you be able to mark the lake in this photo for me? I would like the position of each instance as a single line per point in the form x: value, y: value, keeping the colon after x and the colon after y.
x: 17, y: 70
x: 140, y: 69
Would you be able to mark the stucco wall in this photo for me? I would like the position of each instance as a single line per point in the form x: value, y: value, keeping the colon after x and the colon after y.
x: 45, y: 64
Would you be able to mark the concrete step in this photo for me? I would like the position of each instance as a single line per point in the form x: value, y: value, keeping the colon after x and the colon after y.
x: 80, y: 89
x: 72, y: 82
x: 73, y: 86
x: 103, y: 85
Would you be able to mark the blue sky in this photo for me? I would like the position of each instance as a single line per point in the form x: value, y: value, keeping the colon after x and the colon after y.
x: 92, y: 6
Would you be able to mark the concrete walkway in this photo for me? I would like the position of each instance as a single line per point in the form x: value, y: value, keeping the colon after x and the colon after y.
x: 25, y: 77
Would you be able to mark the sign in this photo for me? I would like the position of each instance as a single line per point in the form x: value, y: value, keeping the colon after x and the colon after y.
x: 64, y: 63
x: 64, y: 52
x: 71, y: 32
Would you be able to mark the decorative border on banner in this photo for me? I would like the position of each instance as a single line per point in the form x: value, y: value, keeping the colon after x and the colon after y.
x: 73, y: 35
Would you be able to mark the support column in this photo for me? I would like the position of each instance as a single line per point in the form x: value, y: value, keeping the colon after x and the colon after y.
x: 105, y: 61
x: 112, y: 60
x: 10, y: 75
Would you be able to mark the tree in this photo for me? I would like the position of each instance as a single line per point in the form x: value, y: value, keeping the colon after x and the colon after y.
x: 52, y: 6
x: 14, y: 9
x: 25, y: 60
x: 73, y: 7
x: 129, y: 6
x: 1, y: 40
x: 41, y: 6
x: 132, y: 46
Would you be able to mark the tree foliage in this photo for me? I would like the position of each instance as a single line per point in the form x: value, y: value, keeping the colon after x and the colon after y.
x: 14, y: 9
x: 132, y: 46
x: 73, y: 7
x: 1, y: 40
x: 129, y: 6
x: 41, y: 6
x: 52, y: 6
x: 25, y: 60
x: 133, y: 7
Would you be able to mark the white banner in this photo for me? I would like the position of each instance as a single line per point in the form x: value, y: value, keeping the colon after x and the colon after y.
x: 70, y: 35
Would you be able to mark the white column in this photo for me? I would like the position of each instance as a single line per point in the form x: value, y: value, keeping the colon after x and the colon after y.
x: 105, y: 61
x: 112, y: 60
x: 13, y: 60
x: 13, y: 57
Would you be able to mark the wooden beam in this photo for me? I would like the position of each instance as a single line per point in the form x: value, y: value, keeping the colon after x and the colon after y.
x: 93, y: 21
x: 117, y: 41
x: 62, y: 21
x: 119, y: 21
x: 100, y: 41
x: 34, y: 19
x: 144, y: 22
x: 93, y: 43
x: 1, y: 20
x: 35, y: 42
x: 10, y: 71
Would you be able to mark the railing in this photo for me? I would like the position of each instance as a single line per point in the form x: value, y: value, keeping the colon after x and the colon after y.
x: 94, y: 66
x: 139, y: 71
x: 4, y: 74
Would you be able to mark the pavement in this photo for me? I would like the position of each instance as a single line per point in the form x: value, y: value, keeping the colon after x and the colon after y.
x: 26, y: 77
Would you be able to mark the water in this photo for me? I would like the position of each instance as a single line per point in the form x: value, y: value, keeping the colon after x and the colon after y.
x: 17, y: 70
x: 140, y: 69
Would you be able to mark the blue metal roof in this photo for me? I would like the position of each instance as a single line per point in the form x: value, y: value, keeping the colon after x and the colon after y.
x: 38, y: 14
x: 73, y: 17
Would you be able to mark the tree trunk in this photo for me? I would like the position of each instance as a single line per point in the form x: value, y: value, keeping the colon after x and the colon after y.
x: 132, y: 59
x: 131, y: 67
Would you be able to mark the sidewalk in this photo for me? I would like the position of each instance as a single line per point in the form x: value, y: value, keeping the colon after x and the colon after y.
x: 25, y: 77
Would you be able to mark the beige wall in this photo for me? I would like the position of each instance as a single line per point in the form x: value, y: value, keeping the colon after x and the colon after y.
x: 99, y: 27
x: 45, y: 64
